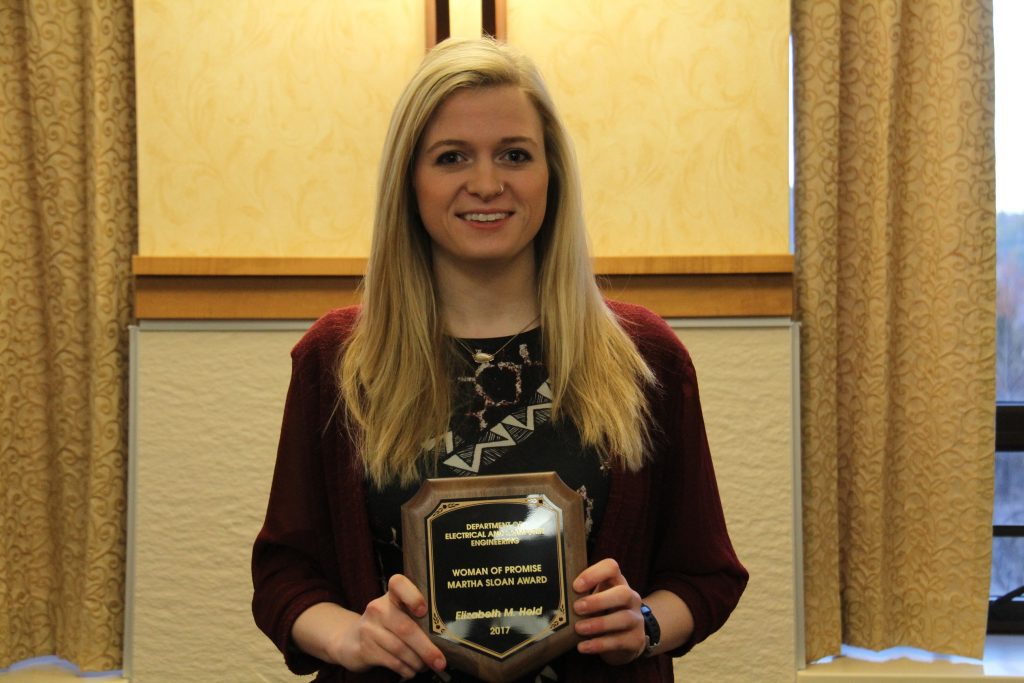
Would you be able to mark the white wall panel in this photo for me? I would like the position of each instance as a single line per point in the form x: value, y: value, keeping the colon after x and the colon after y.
x: 207, y: 411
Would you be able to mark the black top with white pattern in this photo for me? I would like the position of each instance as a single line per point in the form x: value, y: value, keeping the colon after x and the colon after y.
x: 500, y: 425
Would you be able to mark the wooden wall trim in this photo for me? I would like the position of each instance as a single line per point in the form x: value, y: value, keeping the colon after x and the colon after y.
x: 304, y: 288
x: 604, y: 265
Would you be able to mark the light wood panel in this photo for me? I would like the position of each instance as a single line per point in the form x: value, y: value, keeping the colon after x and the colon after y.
x: 249, y: 144
x: 618, y: 265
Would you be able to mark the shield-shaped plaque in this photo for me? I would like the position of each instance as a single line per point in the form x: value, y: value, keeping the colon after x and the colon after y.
x: 495, y: 557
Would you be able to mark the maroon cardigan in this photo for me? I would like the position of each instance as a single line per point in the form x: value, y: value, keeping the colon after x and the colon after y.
x: 663, y: 524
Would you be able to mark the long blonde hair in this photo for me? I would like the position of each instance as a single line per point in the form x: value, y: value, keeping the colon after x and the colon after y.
x: 393, y: 373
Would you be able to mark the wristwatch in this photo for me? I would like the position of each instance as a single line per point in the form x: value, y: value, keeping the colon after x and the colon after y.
x: 651, y: 629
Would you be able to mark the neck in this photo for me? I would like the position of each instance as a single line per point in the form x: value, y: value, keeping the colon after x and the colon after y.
x: 490, y: 301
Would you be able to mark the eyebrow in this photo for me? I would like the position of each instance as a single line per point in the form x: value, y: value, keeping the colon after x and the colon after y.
x: 455, y: 142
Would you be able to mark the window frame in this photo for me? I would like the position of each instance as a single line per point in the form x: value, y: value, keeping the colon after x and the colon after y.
x: 1006, y: 614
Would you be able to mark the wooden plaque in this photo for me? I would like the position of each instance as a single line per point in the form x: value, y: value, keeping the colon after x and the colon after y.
x: 495, y: 557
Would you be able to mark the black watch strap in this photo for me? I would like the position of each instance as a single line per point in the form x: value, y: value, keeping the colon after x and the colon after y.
x: 651, y: 629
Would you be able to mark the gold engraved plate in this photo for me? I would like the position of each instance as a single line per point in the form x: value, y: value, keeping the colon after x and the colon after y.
x: 495, y: 557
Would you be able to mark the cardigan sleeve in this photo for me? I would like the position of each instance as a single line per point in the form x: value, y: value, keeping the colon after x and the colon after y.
x: 695, y: 558
x: 692, y: 554
x: 292, y: 555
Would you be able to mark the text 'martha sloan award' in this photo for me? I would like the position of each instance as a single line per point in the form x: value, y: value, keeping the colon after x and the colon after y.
x: 495, y: 557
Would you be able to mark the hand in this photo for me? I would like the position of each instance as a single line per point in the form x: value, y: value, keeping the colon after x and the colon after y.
x: 612, y: 627
x: 386, y: 634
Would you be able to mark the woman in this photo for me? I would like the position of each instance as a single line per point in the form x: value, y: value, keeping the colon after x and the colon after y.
x: 480, y: 307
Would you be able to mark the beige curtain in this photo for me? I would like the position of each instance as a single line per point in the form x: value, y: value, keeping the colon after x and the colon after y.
x: 895, y: 235
x: 67, y: 224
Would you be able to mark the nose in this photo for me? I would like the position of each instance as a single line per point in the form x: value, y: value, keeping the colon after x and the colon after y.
x: 484, y: 183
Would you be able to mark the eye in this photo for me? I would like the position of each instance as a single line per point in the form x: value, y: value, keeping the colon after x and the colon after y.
x: 448, y: 158
x: 517, y: 156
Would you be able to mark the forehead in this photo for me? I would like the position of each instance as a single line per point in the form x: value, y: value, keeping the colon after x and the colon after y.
x: 501, y: 111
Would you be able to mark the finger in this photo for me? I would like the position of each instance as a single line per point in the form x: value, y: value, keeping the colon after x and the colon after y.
x: 384, y: 649
x: 405, y: 594
x: 623, y: 641
x: 413, y: 638
x: 392, y: 629
x: 620, y: 597
x: 614, y: 622
x: 604, y: 572
x: 381, y: 634
x: 614, y: 649
x: 403, y: 639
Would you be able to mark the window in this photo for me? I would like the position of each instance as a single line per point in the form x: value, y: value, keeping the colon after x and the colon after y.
x: 1006, y: 607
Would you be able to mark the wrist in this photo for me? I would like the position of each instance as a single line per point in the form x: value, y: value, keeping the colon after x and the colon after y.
x: 327, y: 632
x: 344, y: 643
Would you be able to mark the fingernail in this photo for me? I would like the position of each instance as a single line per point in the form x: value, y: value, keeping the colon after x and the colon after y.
x: 439, y: 664
x: 581, y: 606
x: 578, y: 585
x: 585, y: 646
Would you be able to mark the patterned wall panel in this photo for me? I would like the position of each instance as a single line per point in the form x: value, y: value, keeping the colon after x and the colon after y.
x: 679, y: 113
x: 260, y: 123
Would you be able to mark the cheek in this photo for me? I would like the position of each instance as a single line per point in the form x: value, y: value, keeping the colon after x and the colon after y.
x: 426, y: 196
x: 540, y: 195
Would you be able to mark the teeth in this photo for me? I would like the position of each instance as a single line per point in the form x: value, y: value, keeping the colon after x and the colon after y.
x: 485, y: 217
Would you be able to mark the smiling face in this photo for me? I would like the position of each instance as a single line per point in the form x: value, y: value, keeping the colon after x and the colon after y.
x: 481, y: 178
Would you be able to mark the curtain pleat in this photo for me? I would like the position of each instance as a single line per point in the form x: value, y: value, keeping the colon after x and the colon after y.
x: 816, y: 35
x: 68, y: 207
x: 895, y: 238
